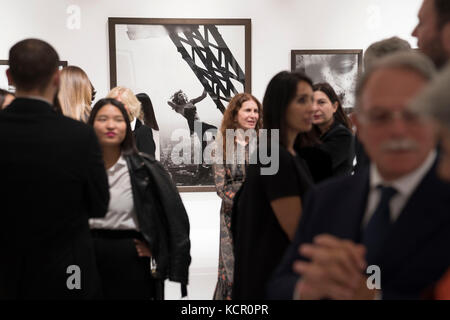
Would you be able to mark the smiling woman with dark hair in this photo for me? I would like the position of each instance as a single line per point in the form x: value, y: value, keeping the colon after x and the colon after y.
x: 145, y: 215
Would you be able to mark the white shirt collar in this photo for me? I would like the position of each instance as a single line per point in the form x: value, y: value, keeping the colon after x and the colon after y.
x: 406, y: 184
x: 121, y: 162
x: 133, y: 124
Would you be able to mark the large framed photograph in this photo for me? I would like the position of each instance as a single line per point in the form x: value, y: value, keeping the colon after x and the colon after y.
x: 4, y: 84
x: 340, y: 68
x: 190, y: 68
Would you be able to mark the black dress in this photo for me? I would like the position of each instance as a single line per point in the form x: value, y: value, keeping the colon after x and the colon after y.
x: 258, y: 237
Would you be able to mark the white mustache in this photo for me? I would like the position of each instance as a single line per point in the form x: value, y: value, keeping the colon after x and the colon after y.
x: 399, y: 145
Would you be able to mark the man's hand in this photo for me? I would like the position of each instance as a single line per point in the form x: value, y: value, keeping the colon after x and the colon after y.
x: 142, y: 248
x: 335, y: 270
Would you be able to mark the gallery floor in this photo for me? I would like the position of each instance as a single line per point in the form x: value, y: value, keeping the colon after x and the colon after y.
x: 203, y: 210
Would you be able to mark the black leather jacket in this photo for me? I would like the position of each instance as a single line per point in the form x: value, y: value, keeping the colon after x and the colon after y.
x: 162, y: 218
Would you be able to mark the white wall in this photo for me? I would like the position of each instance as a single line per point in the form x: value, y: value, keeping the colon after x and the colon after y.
x: 278, y: 26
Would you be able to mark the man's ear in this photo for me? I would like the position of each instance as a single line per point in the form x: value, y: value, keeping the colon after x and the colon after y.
x: 445, y: 38
x: 56, y: 78
x: 10, y: 79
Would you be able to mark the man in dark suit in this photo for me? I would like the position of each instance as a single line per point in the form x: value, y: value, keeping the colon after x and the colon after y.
x: 52, y: 180
x: 384, y: 232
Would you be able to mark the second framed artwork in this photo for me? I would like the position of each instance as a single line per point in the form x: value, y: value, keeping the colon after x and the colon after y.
x: 190, y: 68
x: 340, y: 68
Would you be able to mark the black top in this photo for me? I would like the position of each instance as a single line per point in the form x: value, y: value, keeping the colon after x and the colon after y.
x: 259, y: 239
x: 338, y: 143
x: 144, y: 138
x: 52, y: 180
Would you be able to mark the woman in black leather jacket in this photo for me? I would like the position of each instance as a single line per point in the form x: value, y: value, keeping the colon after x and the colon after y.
x: 144, y: 237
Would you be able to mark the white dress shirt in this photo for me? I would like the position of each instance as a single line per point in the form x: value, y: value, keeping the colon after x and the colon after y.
x: 156, y: 140
x: 133, y: 124
x: 405, y: 186
x: 121, y: 214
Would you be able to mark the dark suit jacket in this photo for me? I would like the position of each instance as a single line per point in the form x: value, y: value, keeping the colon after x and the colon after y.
x: 52, y: 180
x: 416, y: 252
x: 338, y: 143
x: 144, y: 138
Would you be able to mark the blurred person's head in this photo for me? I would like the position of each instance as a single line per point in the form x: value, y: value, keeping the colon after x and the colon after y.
x: 328, y: 108
x: 383, y: 48
x: 6, y: 98
x: 434, y: 103
x: 288, y: 105
x: 112, y: 126
x: 33, y: 69
x: 75, y: 93
x: 397, y: 140
x: 147, y: 114
x: 127, y: 97
x: 433, y: 30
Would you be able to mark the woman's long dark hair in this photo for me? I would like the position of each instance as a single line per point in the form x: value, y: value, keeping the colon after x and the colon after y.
x: 339, y: 115
x: 128, y: 145
x: 279, y: 94
x: 147, y: 109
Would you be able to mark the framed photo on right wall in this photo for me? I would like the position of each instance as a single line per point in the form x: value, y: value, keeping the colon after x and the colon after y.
x: 340, y: 68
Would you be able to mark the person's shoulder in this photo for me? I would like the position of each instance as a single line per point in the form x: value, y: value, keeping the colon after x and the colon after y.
x: 340, y: 129
x: 69, y: 124
x: 341, y: 184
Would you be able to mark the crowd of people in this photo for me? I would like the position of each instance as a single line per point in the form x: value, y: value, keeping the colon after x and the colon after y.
x: 83, y: 187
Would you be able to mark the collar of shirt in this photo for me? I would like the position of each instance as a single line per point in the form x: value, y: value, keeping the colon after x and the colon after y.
x: 133, y: 124
x: 405, y: 186
x: 121, y: 162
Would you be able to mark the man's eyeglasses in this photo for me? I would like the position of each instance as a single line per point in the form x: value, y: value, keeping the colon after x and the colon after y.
x: 384, y: 117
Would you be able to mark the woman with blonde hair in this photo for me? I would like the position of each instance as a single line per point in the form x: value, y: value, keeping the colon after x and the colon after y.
x: 142, y: 133
x: 75, y: 93
x: 243, y: 112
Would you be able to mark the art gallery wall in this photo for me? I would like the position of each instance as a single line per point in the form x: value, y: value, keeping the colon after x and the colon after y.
x: 78, y: 30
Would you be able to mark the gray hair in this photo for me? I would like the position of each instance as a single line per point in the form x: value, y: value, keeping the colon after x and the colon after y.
x: 409, y: 60
x: 434, y: 100
x: 383, y: 48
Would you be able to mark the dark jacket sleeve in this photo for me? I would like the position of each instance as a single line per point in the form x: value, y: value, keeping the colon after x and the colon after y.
x: 97, y: 187
x: 282, y: 283
x: 177, y: 221
x: 144, y: 140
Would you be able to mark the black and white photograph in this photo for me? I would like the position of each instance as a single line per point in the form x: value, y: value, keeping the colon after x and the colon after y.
x: 190, y: 68
x: 340, y: 68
